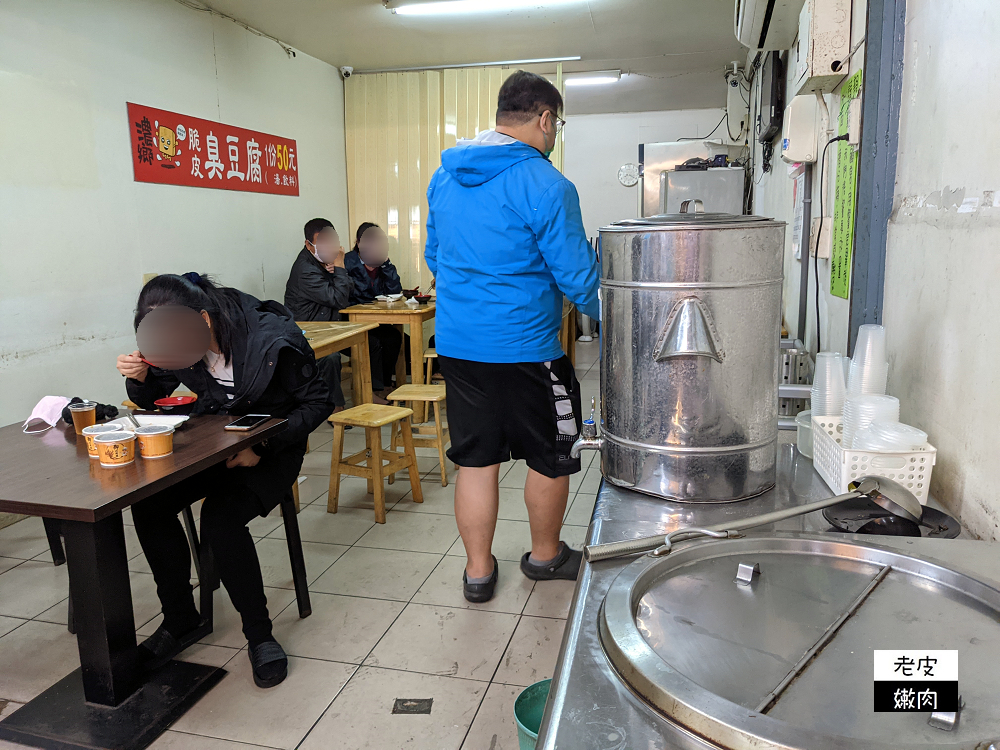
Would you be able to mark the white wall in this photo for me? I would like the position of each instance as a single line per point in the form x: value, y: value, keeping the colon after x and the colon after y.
x: 598, y: 145
x: 773, y: 197
x: 77, y: 233
x: 942, y: 262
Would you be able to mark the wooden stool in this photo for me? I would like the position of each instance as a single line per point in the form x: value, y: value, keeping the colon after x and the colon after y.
x: 424, y: 436
x: 429, y: 356
x: 372, y: 417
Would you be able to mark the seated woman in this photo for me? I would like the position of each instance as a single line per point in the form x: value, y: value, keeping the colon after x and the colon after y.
x: 374, y: 274
x: 258, y: 363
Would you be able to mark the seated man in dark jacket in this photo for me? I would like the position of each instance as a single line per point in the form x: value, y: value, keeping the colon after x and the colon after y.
x: 374, y: 274
x: 318, y: 288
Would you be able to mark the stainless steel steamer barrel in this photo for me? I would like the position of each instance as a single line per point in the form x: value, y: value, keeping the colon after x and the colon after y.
x: 689, y: 370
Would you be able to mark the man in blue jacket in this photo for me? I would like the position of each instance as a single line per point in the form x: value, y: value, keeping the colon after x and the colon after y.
x: 505, y: 242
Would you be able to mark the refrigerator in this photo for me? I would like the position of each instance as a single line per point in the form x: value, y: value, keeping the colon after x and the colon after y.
x: 664, y: 188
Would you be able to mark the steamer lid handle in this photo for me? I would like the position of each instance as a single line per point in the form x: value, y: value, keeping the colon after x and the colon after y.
x: 699, y: 206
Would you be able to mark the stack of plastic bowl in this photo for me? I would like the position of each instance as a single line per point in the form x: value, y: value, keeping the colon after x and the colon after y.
x: 861, y: 409
x: 869, y: 368
x: 804, y: 433
x: 829, y: 389
x: 889, y: 436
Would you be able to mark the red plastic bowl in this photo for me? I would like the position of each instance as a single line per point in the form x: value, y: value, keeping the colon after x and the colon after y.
x: 179, y: 404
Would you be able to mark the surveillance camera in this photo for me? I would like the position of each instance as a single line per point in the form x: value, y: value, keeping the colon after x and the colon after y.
x: 347, y: 71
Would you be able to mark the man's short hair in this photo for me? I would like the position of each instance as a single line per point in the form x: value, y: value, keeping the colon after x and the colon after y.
x: 525, y: 95
x: 315, y: 226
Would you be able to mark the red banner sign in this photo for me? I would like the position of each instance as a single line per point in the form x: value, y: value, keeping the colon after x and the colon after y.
x: 181, y: 150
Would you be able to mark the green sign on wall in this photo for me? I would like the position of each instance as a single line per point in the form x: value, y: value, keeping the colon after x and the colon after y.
x: 845, y: 196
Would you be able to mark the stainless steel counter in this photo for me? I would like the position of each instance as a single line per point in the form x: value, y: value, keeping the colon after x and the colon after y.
x: 589, y: 707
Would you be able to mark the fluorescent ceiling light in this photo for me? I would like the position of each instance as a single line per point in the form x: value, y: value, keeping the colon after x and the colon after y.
x: 460, y: 7
x: 595, y: 78
x: 495, y: 63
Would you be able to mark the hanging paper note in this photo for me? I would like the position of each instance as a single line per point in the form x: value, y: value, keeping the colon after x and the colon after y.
x: 845, y: 196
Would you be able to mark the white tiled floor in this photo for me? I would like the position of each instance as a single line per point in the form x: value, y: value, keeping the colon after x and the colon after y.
x: 389, y: 620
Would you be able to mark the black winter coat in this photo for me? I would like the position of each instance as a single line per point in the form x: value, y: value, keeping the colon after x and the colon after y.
x: 313, y: 293
x: 275, y: 373
x: 365, y: 289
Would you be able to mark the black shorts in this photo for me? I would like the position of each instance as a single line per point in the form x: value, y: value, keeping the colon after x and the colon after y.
x: 524, y: 410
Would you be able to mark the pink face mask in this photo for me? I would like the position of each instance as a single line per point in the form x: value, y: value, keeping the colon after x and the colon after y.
x: 48, y: 410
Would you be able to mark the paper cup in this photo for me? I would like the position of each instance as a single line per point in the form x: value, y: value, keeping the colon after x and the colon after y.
x: 115, y: 449
x: 89, y: 433
x: 155, y: 441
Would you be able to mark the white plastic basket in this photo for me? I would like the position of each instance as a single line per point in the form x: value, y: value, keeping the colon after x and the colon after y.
x: 839, y: 467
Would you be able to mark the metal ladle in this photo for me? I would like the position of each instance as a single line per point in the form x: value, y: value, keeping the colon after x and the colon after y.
x: 885, y: 493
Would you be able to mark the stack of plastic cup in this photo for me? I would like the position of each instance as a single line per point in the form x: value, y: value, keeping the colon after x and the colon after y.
x: 828, y: 389
x: 861, y: 409
x: 869, y: 368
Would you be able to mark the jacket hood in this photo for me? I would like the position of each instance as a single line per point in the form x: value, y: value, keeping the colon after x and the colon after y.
x: 478, y: 161
x: 269, y: 328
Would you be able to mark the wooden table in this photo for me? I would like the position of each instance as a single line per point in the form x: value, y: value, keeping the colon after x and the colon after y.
x: 400, y: 314
x: 327, y: 337
x: 105, y: 703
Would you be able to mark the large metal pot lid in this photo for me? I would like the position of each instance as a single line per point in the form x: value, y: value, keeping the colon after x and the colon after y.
x: 787, y: 661
x: 664, y: 220
x: 692, y: 214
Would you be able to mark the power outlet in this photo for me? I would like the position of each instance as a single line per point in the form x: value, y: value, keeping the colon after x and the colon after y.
x: 854, y: 122
x: 826, y: 240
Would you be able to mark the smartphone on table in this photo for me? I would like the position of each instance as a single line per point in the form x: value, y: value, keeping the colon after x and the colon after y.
x: 248, y: 422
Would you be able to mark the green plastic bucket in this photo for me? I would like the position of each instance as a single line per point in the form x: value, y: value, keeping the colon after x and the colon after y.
x: 528, y: 710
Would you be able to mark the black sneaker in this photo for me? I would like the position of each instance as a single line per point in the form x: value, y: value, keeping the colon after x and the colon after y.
x: 565, y: 566
x: 161, y: 646
x: 269, y: 662
x: 481, y: 592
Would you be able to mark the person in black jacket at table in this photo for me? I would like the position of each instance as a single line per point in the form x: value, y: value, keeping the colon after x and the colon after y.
x: 258, y: 363
x: 318, y: 287
x: 374, y: 274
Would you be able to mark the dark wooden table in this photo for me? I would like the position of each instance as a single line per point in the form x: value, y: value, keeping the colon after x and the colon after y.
x: 106, y: 703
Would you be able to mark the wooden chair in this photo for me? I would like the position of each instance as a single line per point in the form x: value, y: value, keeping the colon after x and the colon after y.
x: 429, y: 356
x: 372, y: 417
x: 425, y: 436
x: 567, y: 331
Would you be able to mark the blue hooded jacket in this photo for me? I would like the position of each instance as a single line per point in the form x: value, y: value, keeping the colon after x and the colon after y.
x: 505, y: 241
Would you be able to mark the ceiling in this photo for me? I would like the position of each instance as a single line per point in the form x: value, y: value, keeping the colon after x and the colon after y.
x: 674, y: 51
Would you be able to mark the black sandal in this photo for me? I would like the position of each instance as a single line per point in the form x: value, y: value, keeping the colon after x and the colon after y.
x: 565, y: 566
x: 481, y: 592
x: 161, y: 646
x: 269, y: 662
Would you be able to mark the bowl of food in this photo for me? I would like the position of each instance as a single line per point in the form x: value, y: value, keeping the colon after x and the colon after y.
x: 176, y: 404
x: 115, y: 448
x: 423, y: 299
x: 411, y: 293
x: 155, y: 441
